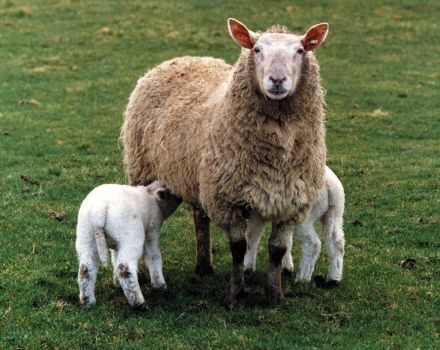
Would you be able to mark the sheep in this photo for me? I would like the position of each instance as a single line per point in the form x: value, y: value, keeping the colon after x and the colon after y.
x: 329, y: 208
x: 235, y: 142
x: 128, y: 220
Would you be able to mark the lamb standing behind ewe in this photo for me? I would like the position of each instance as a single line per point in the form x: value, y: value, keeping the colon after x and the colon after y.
x: 127, y: 220
x: 240, y: 142
x: 329, y: 208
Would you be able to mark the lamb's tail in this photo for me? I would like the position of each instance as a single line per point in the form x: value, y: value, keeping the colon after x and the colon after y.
x: 101, y: 245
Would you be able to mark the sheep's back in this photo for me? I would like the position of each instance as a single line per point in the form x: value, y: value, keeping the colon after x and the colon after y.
x: 163, y: 132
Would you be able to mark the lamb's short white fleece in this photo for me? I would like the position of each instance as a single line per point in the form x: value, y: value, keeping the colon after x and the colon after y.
x: 127, y: 220
x: 329, y: 208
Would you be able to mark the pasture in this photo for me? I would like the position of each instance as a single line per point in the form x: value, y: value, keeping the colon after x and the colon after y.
x: 66, y: 71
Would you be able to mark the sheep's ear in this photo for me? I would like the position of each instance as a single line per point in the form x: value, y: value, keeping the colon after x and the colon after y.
x: 161, y: 194
x: 315, y: 36
x: 241, y: 35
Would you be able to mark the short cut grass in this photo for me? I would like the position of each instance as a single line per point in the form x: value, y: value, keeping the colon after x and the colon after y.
x: 67, y: 68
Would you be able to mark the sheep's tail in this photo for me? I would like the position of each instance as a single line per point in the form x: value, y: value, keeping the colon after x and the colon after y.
x: 101, y: 245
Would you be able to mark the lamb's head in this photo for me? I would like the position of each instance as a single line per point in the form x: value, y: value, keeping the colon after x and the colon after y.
x: 167, y: 201
x: 278, y: 55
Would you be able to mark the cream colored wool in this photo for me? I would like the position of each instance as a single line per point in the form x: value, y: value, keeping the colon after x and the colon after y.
x: 204, y: 129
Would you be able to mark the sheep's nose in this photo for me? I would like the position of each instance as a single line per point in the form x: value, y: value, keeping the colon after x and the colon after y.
x: 277, y: 80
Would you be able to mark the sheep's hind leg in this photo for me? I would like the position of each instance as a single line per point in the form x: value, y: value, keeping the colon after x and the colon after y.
x: 236, y: 295
x: 126, y: 265
x: 335, y: 242
x: 88, y: 270
x: 203, y: 249
x: 278, y: 242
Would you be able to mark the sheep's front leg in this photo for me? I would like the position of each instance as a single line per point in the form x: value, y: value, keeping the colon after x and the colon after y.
x: 153, y: 258
x: 255, y: 228
x: 237, y: 244
x: 277, y: 248
x: 203, y: 237
x: 310, y: 249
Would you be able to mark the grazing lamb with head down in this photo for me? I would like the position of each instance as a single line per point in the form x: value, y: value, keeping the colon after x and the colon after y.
x: 242, y: 142
x: 127, y: 220
x: 329, y: 208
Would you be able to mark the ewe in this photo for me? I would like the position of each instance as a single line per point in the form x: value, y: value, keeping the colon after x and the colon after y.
x: 239, y: 143
x: 329, y: 208
x: 127, y: 220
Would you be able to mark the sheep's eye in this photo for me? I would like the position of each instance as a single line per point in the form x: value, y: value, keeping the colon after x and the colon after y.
x: 257, y: 49
x: 300, y: 51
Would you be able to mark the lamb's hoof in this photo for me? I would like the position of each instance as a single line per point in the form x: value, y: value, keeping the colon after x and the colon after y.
x: 330, y: 284
x: 248, y: 274
x: 160, y: 287
x: 320, y: 282
x: 287, y: 273
x: 204, y: 269
x: 84, y: 302
x: 140, y: 307
x: 274, y: 297
x: 304, y: 282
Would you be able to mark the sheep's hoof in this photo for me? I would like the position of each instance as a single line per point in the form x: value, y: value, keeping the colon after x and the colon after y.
x: 287, y: 273
x: 275, y: 296
x: 330, y: 284
x: 321, y: 282
x: 160, y: 286
x: 204, y: 269
x: 248, y: 273
x: 237, y: 303
x: 236, y: 297
x: 140, y: 307
x: 84, y: 302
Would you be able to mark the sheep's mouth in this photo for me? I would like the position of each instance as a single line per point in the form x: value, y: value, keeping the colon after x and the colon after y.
x: 277, y: 94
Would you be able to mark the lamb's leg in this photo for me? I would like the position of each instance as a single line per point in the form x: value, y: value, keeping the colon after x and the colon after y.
x: 237, y: 244
x: 277, y: 248
x: 310, y: 249
x: 287, y: 262
x: 88, y: 269
x: 127, y: 257
x: 255, y: 228
x: 203, y: 249
x: 335, y: 242
x: 115, y: 271
x: 153, y: 259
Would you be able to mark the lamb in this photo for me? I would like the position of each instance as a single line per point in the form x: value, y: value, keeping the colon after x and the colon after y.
x: 329, y: 208
x: 235, y: 142
x: 128, y: 220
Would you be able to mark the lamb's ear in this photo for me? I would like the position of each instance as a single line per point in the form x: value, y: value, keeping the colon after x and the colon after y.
x: 161, y: 194
x: 315, y: 36
x: 241, y: 35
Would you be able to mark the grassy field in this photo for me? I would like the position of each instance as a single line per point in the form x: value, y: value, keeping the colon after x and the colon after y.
x: 66, y: 71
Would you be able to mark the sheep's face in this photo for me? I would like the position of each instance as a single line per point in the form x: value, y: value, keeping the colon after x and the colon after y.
x: 278, y: 57
x: 278, y: 61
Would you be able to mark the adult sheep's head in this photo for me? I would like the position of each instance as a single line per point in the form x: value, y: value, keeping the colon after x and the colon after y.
x: 278, y: 55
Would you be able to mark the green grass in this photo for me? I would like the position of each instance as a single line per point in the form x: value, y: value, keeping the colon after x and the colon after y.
x: 80, y: 61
